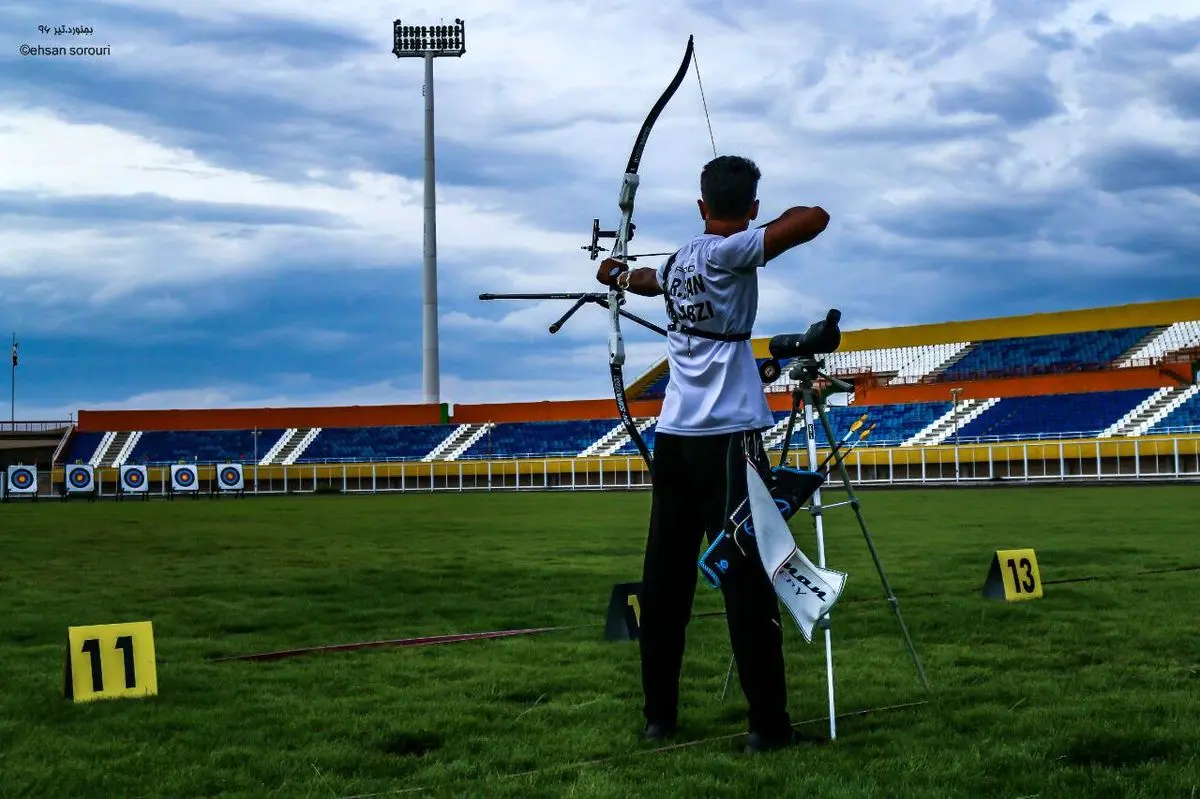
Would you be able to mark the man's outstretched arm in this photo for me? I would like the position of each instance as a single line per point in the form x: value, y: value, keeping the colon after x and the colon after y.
x: 794, y: 226
x: 642, y: 281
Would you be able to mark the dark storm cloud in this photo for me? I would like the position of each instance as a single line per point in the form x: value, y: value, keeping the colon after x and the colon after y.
x: 1016, y: 99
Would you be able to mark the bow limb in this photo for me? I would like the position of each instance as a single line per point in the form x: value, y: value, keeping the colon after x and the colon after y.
x: 629, y: 186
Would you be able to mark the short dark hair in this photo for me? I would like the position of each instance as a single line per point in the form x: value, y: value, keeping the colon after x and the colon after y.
x: 729, y: 186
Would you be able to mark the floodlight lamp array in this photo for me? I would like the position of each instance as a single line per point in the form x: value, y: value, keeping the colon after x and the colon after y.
x: 419, y: 40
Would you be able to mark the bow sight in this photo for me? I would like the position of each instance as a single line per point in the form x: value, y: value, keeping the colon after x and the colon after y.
x: 594, y: 249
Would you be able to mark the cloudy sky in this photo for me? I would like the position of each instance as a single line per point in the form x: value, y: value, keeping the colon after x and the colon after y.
x: 226, y: 210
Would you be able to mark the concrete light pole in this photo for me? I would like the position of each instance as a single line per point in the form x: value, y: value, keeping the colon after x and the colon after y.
x: 429, y: 42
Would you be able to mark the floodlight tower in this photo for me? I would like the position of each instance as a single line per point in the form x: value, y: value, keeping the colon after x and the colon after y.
x: 429, y: 42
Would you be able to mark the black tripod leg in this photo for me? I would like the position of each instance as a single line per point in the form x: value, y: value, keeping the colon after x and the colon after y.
x: 862, y: 523
x: 787, y: 439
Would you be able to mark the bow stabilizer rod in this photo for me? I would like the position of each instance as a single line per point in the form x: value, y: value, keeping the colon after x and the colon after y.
x: 581, y: 299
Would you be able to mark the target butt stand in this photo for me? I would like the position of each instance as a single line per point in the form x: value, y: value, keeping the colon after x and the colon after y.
x: 79, y: 480
x: 228, y: 480
x: 132, y: 481
x: 20, y: 482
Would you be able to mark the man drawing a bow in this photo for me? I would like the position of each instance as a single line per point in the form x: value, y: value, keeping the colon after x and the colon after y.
x: 712, y: 420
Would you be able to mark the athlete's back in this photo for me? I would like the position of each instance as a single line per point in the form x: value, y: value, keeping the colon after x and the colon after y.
x: 711, y: 291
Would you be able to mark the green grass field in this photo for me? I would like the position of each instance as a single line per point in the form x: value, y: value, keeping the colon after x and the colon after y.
x: 1092, y: 691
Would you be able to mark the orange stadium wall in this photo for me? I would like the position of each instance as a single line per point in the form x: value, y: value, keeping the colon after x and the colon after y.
x: 780, y: 401
x: 548, y: 411
x: 372, y: 416
x: 249, y: 418
x: 1115, y: 380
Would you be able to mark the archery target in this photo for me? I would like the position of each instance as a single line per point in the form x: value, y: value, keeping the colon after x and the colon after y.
x: 183, y: 477
x: 229, y: 477
x: 133, y: 479
x: 22, y: 480
x: 81, y: 478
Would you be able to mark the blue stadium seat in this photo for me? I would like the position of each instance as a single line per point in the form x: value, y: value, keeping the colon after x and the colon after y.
x: 203, y: 446
x: 893, y: 423
x: 1083, y: 414
x: 82, y: 447
x: 1031, y: 355
x: 1053, y: 415
x: 539, y: 439
x: 1185, y: 416
x: 391, y: 443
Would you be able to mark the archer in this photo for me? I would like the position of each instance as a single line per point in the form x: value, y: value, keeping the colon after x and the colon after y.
x: 712, y: 420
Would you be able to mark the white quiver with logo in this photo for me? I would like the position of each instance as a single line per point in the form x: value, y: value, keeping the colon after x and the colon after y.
x: 805, y: 589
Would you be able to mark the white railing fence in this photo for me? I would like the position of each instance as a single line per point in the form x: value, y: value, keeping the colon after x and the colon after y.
x: 1025, y: 462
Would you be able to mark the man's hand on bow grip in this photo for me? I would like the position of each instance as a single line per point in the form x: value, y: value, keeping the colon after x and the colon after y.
x: 609, y: 269
x: 643, y: 282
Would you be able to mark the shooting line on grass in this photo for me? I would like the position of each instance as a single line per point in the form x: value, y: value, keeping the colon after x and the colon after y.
x: 701, y: 741
x: 433, y: 640
x: 658, y: 750
x: 429, y: 640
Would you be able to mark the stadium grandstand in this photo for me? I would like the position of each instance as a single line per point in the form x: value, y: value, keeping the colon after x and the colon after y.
x: 1084, y: 388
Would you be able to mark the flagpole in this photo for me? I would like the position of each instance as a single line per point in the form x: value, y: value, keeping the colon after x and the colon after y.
x: 13, y: 386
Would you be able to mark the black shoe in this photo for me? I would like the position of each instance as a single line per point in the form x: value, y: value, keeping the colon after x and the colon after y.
x: 657, y: 732
x: 759, y: 742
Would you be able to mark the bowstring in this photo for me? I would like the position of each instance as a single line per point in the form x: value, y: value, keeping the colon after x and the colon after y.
x: 707, y: 118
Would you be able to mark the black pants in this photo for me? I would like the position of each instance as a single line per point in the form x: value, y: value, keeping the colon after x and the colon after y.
x: 698, y: 481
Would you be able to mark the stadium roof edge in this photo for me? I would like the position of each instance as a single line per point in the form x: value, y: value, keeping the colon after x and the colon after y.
x: 1163, y: 312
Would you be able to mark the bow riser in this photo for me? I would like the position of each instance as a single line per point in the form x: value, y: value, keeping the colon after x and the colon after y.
x: 620, y: 248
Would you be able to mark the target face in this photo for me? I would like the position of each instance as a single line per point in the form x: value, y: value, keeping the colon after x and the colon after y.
x: 22, y: 478
x: 229, y: 477
x: 134, y: 478
x: 183, y: 478
x: 79, y: 478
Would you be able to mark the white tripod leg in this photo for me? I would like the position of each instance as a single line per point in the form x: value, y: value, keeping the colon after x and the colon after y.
x: 811, y: 435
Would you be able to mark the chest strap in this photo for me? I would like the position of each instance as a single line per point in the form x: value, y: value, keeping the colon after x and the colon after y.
x: 698, y: 333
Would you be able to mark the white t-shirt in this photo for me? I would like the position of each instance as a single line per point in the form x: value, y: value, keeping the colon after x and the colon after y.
x: 714, y: 387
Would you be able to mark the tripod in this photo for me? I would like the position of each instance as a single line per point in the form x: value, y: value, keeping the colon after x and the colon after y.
x: 805, y: 371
